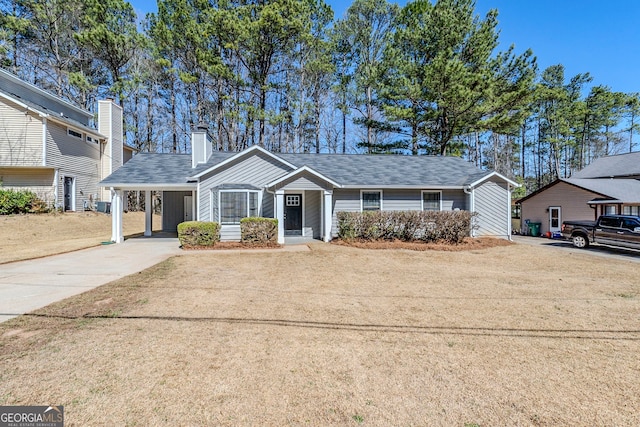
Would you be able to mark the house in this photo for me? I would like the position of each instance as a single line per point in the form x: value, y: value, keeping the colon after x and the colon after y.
x: 48, y: 146
x: 609, y: 185
x: 304, y: 191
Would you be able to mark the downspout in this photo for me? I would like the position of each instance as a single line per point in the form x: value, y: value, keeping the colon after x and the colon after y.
x: 509, y: 190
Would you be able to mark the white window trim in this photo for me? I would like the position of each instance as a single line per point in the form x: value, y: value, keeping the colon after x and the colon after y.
x: 94, y: 140
x: 371, y: 191
x: 430, y: 191
x: 237, y: 191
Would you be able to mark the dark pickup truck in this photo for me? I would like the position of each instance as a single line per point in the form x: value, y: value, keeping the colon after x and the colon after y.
x: 611, y: 230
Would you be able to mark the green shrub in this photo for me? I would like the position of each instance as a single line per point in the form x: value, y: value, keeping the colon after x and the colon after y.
x: 21, y: 201
x: 259, y: 231
x: 198, y: 233
x: 428, y: 226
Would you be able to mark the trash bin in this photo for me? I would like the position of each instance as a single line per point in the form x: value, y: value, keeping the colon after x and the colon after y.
x: 534, y: 229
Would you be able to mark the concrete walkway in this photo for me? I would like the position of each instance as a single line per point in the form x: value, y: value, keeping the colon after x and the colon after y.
x: 29, y: 285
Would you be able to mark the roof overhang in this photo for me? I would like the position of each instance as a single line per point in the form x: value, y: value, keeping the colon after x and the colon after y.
x: 495, y: 174
x: 605, y: 202
x: 402, y: 187
x: 302, y: 170
x: 22, y: 104
x: 151, y: 187
x: 239, y: 155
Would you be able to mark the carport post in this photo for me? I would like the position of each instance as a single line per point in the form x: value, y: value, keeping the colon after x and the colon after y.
x: 327, y: 216
x: 147, y: 213
x: 116, y: 216
x: 280, y: 215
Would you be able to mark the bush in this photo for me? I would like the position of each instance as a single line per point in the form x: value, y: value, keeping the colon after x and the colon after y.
x: 193, y: 234
x: 408, y: 226
x: 22, y: 201
x: 259, y: 231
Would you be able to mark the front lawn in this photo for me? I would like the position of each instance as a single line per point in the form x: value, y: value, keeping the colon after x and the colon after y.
x: 514, y: 335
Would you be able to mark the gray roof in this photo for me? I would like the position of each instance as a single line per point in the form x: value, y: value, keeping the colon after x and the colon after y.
x: 345, y: 169
x: 620, y: 190
x: 385, y: 170
x: 621, y: 165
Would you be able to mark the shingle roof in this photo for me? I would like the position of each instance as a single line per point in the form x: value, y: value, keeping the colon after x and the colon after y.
x: 620, y: 165
x: 622, y: 190
x: 346, y: 169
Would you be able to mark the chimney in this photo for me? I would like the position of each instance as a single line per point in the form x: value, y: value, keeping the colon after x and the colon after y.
x: 110, y: 125
x: 200, y: 146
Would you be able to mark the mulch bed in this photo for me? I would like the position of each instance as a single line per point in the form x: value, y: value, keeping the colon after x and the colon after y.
x: 466, y: 245
x: 232, y: 245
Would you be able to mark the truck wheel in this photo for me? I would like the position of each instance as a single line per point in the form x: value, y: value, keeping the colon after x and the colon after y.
x: 580, y: 241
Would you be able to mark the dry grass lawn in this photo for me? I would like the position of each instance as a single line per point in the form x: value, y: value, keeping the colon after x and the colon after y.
x: 34, y: 236
x: 514, y: 335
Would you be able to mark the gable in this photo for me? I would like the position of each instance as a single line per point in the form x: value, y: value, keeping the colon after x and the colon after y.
x: 558, y: 194
x: 256, y: 169
x: 303, y: 180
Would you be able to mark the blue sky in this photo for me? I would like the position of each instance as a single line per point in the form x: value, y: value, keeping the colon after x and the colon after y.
x: 602, y: 38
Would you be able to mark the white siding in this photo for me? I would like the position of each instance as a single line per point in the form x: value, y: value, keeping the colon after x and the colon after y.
x: 20, y: 136
x: 230, y: 233
x: 74, y: 158
x: 492, y: 208
x: 39, y: 181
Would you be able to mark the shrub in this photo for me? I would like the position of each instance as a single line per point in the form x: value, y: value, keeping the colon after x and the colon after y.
x: 259, y: 231
x: 22, y: 201
x: 198, y: 233
x: 428, y: 226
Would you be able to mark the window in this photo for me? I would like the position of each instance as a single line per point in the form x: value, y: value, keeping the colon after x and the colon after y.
x: 371, y: 200
x: 431, y: 201
x: 609, y: 222
x: 72, y: 132
x: 92, y: 139
x: 631, y: 210
x: 610, y: 210
x: 630, y: 224
x: 235, y: 205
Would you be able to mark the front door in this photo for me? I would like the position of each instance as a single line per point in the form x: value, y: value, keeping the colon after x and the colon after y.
x: 293, y: 214
x: 68, y: 193
x: 188, y: 208
x: 555, y: 219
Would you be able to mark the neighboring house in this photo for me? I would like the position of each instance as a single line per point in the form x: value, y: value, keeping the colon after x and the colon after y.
x: 609, y: 185
x: 304, y: 191
x: 48, y: 146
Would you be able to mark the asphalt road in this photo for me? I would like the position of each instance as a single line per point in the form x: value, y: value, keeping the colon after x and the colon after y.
x: 594, y: 249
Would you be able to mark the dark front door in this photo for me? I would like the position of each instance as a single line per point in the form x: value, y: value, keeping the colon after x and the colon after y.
x: 293, y: 214
x: 68, y: 193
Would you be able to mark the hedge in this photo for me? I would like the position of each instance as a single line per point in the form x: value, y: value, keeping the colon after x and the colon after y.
x: 193, y: 234
x: 259, y: 231
x: 427, y: 226
x: 22, y: 201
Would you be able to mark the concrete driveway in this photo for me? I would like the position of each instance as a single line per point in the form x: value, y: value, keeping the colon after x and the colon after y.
x: 595, y: 250
x: 29, y: 285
